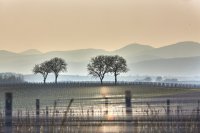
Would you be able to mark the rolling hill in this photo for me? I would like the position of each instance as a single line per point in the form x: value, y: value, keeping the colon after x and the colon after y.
x: 177, y: 59
x: 181, y: 49
x: 31, y: 52
x: 188, y: 66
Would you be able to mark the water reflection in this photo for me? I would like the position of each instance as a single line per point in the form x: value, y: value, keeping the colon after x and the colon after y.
x: 104, y: 91
x: 110, y: 129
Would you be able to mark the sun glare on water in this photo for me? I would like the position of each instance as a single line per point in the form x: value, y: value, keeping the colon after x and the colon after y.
x: 104, y: 91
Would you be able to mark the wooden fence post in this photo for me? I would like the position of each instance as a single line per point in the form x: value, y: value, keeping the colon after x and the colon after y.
x: 128, y: 103
x: 47, y: 120
x: 37, y: 116
x: 198, y: 109
x: 198, y: 117
x: 8, y: 112
x: 106, y: 105
x: 178, y: 111
x: 168, y: 109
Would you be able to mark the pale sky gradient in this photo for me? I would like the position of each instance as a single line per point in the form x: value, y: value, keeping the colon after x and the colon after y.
x: 106, y: 24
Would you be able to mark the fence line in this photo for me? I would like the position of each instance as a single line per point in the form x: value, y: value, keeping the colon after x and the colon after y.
x: 88, y: 84
x: 67, y: 114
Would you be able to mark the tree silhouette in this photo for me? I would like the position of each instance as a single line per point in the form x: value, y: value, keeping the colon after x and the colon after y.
x: 159, y: 79
x: 118, y: 65
x: 99, y: 66
x: 57, y: 65
x: 43, y: 68
x: 11, y: 78
x: 147, y: 79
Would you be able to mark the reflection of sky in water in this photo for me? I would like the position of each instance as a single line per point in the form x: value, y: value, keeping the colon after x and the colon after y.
x: 111, y: 129
x: 104, y: 91
x: 91, y: 101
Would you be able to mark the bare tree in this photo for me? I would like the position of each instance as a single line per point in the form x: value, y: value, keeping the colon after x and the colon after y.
x: 11, y: 78
x: 159, y: 79
x: 43, y: 68
x: 118, y: 65
x: 99, y: 66
x: 147, y: 79
x: 57, y: 65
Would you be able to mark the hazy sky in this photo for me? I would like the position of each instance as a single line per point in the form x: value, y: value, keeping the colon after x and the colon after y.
x: 106, y: 24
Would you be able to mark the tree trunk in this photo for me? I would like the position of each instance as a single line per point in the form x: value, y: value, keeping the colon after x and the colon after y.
x: 115, y: 79
x: 56, y: 79
x: 44, y: 80
x: 101, y: 81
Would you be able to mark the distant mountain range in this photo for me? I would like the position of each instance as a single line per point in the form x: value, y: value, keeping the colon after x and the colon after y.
x: 181, y: 59
x: 31, y: 52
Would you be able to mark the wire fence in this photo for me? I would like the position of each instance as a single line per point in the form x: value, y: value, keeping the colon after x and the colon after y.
x: 100, y: 114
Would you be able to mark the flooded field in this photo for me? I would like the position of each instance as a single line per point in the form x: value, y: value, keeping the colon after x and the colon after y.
x: 24, y: 96
x: 103, y: 109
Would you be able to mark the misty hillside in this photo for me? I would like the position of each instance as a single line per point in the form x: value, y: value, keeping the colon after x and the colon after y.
x: 181, y: 49
x: 177, y: 59
x: 76, y: 55
x: 170, y: 67
x: 132, y: 50
x: 31, y: 52
x: 4, y: 53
